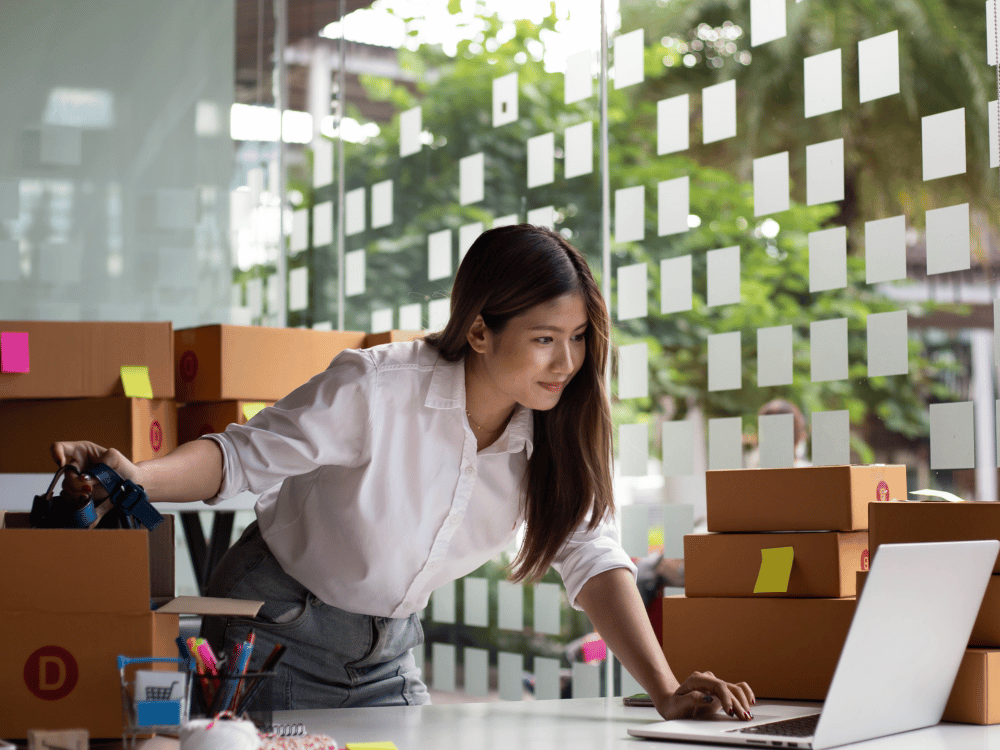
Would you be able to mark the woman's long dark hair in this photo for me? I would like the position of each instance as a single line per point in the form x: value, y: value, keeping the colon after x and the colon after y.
x: 507, y: 271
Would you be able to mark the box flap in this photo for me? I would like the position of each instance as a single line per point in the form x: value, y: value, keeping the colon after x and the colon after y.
x: 208, y: 605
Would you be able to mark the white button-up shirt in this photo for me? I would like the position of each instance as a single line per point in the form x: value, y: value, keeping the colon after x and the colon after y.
x: 372, y: 492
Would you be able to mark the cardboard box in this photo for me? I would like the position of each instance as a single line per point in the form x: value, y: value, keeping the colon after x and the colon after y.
x: 900, y: 523
x: 783, y: 648
x: 138, y: 427
x: 253, y: 363
x: 84, y: 359
x: 73, y: 600
x: 388, y: 337
x: 807, y: 498
x: 975, y: 698
x: 825, y: 563
x: 195, y: 420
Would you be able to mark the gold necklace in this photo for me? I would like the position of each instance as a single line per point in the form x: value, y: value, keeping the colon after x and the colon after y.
x: 479, y: 426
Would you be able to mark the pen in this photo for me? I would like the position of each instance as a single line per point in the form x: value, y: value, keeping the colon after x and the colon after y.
x: 244, y: 661
x: 276, y: 655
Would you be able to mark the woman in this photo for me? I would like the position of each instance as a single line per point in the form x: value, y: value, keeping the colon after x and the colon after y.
x: 405, y: 466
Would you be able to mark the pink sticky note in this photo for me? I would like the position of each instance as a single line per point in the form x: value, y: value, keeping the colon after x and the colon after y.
x: 595, y: 651
x: 14, y: 351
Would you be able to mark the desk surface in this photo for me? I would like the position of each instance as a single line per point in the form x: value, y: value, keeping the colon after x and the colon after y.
x: 574, y: 724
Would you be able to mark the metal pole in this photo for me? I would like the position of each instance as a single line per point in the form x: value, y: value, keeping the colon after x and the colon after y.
x: 280, y: 96
x: 341, y: 104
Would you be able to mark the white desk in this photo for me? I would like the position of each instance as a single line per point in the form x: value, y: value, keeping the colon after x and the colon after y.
x: 575, y: 724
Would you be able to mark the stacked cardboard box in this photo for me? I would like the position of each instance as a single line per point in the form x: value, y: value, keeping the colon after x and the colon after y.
x: 784, y: 643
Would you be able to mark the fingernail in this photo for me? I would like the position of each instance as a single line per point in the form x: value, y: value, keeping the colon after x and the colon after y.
x: 87, y: 488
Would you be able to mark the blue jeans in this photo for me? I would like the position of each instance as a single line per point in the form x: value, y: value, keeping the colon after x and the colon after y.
x: 335, y: 659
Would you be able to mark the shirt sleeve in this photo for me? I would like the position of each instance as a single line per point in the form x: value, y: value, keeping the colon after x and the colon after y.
x: 325, y: 421
x: 588, y: 553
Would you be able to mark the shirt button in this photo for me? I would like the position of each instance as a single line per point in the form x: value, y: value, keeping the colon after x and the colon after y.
x: 433, y: 565
x: 407, y: 605
x: 453, y: 519
x: 470, y: 471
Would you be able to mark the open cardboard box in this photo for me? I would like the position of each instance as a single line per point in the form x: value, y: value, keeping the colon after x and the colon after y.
x: 73, y: 601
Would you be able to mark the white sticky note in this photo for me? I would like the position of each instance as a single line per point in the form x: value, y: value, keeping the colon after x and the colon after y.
x: 633, y: 442
x: 300, y: 230
x: 994, y: 154
x: 635, y: 529
x: 828, y: 350
x: 633, y: 371
x: 678, y: 448
x: 505, y: 221
x: 354, y: 274
x: 541, y: 159
x: 439, y: 255
x: 410, y: 125
x: 831, y: 438
x: 410, y: 317
x: 630, y: 214
x: 887, y: 344
x: 505, y: 99
x: 723, y: 272
x: 476, y: 598
x: 948, y: 246
x: 579, y: 151
x: 255, y: 296
x: 943, y: 143
x: 718, y: 111
x: 510, y: 608
x: 828, y: 259
x: 878, y: 66
x: 825, y: 172
x: 578, y: 80
x: 510, y: 668
x: 476, y: 671
x: 770, y: 184
x: 628, y: 59
x: 467, y: 234
x: 298, y: 288
x: 443, y: 660
x: 678, y: 520
x: 438, y: 312
x: 323, y: 224
x: 632, y: 291
x: 586, y: 680
x: 381, y: 318
x: 823, y: 83
x: 9, y: 199
x: 322, y: 162
x: 991, y: 33
x: 673, y: 125
x: 767, y: 21
x: 10, y: 251
x: 60, y: 146
x: 443, y: 603
x: 548, y: 599
x: 176, y: 208
x: 673, y: 205
x: 885, y: 249
x: 547, y: 679
x: 725, y: 361
x: 323, y: 325
x: 354, y: 211
x: 381, y: 204
x: 953, y: 443
x: 675, y: 284
x: 776, y: 439
x: 255, y: 184
x: 725, y: 444
x: 472, y: 179
x: 543, y: 217
x: 774, y: 356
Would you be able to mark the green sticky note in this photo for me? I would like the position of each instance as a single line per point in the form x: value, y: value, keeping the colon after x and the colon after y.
x: 775, y: 568
x: 370, y: 746
x: 136, y: 382
x: 251, y: 408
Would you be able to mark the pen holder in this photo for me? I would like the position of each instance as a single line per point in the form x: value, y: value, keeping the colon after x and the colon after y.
x: 247, y: 696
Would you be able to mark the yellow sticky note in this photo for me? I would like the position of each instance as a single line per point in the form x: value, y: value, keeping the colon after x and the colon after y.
x: 136, y: 382
x: 775, y: 568
x: 370, y: 746
x: 251, y: 408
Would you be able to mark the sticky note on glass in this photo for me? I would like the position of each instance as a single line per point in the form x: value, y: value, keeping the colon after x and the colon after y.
x: 14, y: 352
x: 768, y: 21
x: 775, y: 568
x: 541, y: 159
x: 672, y: 124
x: 135, y: 380
x: 770, y: 184
x: 578, y: 80
x: 943, y: 143
x: 878, y: 66
x: 409, y: 131
x: 628, y: 59
x: 251, y: 408
x: 718, y: 111
x: 370, y: 746
x: 579, y: 151
x: 823, y: 83
x: 504, y: 99
x: 467, y: 234
x: 471, y: 176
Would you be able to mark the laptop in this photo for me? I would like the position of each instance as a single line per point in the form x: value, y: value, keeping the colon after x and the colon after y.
x: 897, y: 667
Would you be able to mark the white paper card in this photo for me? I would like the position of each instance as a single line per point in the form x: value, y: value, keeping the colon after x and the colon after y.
x: 300, y: 230
x: 887, y: 349
x: 828, y: 350
x: 381, y: 204
x: 548, y: 598
x: 322, y: 325
x: 586, y: 680
x: 172, y: 682
x: 298, y: 288
x: 885, y: 249
x: 635, y: 529
x: 443, y: 603
x: 831, y: 438
x: 632, y: 291
x: 678, y: 520
x: 673, y: 129
x: 723, y: 285
x: 505, y: 99
x: 630, y: 214
x: 767, y: 21
x: 953, y: 444
x: 825, y: 172
x: 323, y: 224
x: 472, y: 178
x: 678, y: 448
x: 410, y: 317
x: 725, y: 363
x: 628, y: 59
x: 382, y: 318
x: 438, y: 313
x: 633, y: 442
x: 578, y: 81
x: 510, y: 610
x: 776, y: 439
x: 443, y: 659
x: 633, y: 372
x: 410, y: 125
x: 991, y: 33
x: 467, y: 234
x: 439, y: 255
x: 322, y: 162
x: 476, y: 671
x: 510, y: 669
x: 943, y: 143
x: 948, y: 247
x: 675, y: 285
x: 725, y: 444
x: 994, y: 154
x: 579, y: 151
x: 770, y: 184
x: 541, y: 159
x: 823, y: 83
x: 547, y: 679
x: 354, y: 211
x: 476, y: 598
x: 543, y: 217
x: 673, y: 205
x: 505, y: 221
x: 718, y: 108
x: 828, y: 259
x: 774, y: 356
x: 878, y: 66
x: 354, y: 275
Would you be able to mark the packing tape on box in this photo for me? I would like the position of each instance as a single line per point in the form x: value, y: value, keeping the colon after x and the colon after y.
x: 213, y: 734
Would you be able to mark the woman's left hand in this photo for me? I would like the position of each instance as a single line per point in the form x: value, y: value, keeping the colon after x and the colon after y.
x: 703, y: 694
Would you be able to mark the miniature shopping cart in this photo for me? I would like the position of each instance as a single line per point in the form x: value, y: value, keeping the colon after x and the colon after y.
x: 161, y: 708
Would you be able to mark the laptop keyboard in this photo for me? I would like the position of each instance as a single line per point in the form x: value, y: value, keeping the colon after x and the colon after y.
x: 800, y: 726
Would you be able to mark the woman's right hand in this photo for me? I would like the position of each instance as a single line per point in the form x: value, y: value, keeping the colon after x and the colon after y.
x: 83, y: 454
